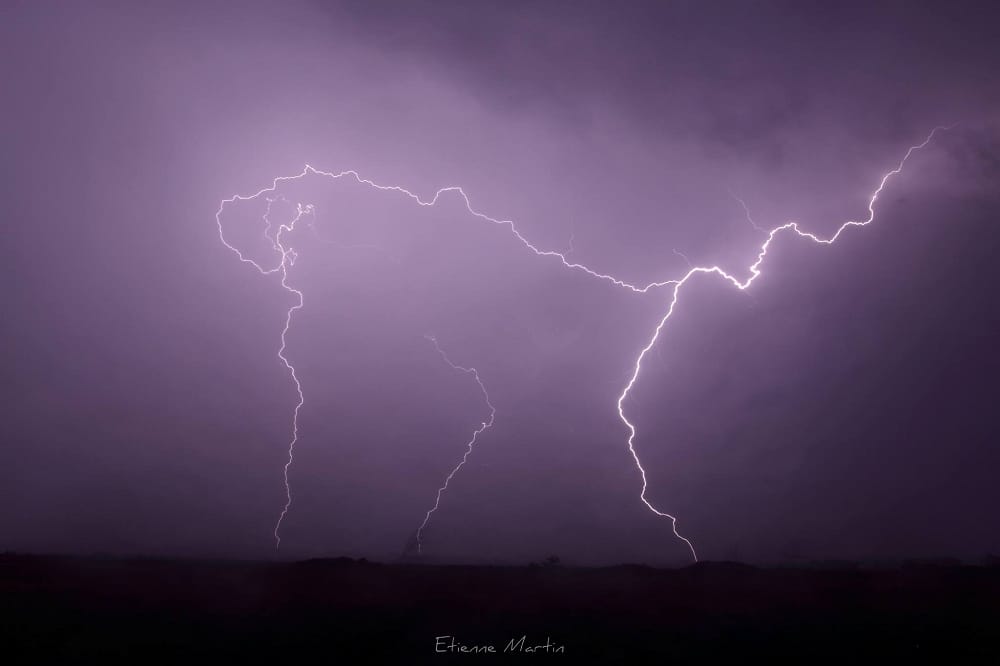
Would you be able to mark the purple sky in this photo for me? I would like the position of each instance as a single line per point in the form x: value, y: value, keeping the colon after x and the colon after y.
x: 842, y: 407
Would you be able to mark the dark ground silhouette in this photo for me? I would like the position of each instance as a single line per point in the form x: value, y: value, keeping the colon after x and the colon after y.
x: 341, y: 611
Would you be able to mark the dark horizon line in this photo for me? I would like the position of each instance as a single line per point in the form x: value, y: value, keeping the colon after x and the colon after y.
x: 987, y: 560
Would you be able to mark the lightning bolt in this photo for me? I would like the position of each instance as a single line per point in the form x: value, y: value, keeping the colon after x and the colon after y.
x: 483, y: 427
x: 754, y: 271
x: 288, y: 258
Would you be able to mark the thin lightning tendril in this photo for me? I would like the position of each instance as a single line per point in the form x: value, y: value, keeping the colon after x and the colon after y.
x: 288, y: 258
x: 746, y: 212
x: 483, y: 427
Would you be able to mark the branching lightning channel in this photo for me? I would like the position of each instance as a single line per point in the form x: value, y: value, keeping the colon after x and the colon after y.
x: 675, y: 285
x: 509, y: 224
x: 483, y: 427
x: 287, y: 259
x: 754, y: 271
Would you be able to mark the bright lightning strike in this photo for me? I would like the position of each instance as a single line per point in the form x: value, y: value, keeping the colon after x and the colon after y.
x: 483, y: 427
x: 742, y: 286
x: 288, y: 258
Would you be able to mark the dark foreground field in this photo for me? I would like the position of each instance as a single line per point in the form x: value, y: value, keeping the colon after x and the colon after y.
x: 72, y: 610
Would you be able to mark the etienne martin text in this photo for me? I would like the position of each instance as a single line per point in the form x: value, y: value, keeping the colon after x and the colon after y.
x: 450, y: 644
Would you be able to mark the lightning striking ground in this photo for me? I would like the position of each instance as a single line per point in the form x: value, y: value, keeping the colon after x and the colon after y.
x: 288, y: 258
x: 483, y: 427
x: 754, y: 271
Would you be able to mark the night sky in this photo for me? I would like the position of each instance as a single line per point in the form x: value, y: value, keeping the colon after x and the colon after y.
x: 842, y: 407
